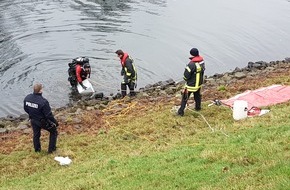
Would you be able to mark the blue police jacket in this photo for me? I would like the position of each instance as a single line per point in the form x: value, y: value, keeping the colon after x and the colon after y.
x: 38, y: 108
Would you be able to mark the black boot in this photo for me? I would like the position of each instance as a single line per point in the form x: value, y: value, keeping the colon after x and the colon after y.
x: 123, y: 90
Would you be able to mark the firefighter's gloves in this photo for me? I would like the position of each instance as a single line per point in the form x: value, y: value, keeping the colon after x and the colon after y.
x: 84, y: 87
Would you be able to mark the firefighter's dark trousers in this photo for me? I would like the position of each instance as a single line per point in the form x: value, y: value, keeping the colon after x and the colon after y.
x: 131, y: 86
x: 197, y: 99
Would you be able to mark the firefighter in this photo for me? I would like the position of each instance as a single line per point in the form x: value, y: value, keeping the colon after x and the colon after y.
x: 41, y: 117
x: 83, y: 71
x: 79, y: 70
x: 128, y: 72
x: 193, y: 75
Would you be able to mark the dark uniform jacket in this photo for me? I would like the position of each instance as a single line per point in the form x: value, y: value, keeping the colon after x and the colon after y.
x: 128, y: 68
x: 38, y: 108
x: 193, y: 74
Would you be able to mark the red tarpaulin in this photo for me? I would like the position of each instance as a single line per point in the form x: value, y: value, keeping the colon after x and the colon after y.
x: 262, y: 97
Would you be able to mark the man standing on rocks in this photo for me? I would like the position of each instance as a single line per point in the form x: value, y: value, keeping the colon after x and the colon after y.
x: 41, y: 117
x: 128, y: 72
x: 193, y: 75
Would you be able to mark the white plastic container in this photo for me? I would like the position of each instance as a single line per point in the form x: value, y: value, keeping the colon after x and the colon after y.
x: 87, y: 84
x: 240, y: 109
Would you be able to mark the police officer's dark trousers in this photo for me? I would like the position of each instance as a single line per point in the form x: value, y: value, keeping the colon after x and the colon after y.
x: 37, y: 126
x: 197, y: 99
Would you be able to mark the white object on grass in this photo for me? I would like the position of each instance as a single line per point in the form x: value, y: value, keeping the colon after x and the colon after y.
x: 63, y: 160
x: 240, y: 109
x: 264, y: 112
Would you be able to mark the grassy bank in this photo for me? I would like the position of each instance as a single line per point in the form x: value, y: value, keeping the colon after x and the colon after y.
x: 147, y: 147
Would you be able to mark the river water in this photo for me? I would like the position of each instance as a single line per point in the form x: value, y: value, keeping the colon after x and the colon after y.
x: 39, y: 37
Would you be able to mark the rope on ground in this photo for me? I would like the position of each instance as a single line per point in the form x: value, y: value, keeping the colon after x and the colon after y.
x: 122, y: 112
x: 126, y: 110
x: 202, y: 118
x: 224, y: 133
x: 175, y: 108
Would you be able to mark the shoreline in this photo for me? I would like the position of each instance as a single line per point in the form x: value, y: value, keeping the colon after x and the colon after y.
x: 168, y: 88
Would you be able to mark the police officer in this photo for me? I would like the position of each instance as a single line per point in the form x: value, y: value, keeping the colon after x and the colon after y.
x: 128, y: 72
x: 193, y: 75
x: 41, y: 117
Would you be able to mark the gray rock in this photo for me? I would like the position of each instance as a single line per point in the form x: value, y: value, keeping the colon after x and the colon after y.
x: 10, y: 118
x: 237, y: 69
x: 210, y: 81
x: 226, y: 78
x: 142, y: 94
x: 240, y: 75
x: 2, y: 124
x: 23, y: 116
x: 170, y: 82
x: 148, y: 86
x: 76, y: 120
x: 159, y: 83
x: 216, y: 76
x: 269, y: 69
x: 162, y: 93
x: 5, y: 123
x: 170, y: 90
x: 89, y: 108
x: 97, y: 106
x: 258, y: 64
x: 11, y: 128
x: 287, y: 59
x: 79, y: 111
x: 103, y: 106
x: 22, y: 126
x: 3, y: 130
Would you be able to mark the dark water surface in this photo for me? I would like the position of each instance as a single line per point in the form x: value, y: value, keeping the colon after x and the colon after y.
x: 39, y: 37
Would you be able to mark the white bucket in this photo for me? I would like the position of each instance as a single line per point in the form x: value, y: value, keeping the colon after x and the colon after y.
x: 240, y: 109
x: 89, y: 88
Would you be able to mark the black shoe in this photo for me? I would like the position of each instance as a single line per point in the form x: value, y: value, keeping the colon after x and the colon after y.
x: 51, y: 151
x: 132, y: 94
x: 179, y: 114
x: 37, y: 150
x: 197, y: 109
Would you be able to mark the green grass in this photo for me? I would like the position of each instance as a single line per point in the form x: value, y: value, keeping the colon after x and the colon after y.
x: 161, y: 151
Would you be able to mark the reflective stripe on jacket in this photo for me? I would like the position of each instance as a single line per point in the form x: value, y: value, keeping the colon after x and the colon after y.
x: 193, y: 74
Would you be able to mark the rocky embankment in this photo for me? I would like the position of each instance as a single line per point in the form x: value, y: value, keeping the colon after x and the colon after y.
x: 236, y: 81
